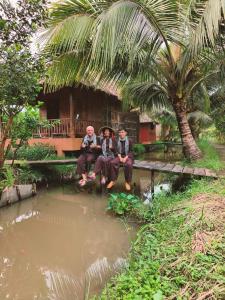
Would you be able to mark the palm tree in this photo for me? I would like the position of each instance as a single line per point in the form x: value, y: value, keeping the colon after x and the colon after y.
x: 154, y: 52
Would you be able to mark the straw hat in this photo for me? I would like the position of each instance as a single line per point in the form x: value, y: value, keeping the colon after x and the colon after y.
x: 102, y: 129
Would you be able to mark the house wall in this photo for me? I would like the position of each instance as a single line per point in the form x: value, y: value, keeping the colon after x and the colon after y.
x: 89, y: 104
x: 93, y: 107
x: 147, y: 133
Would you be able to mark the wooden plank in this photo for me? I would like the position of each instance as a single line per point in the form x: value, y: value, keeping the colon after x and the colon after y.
x: 210, y: 173
x: 199, y: 171
x: 168, y: 167
x: 159, y: 165
x: 145, y: 165
x: 141, y: 166
x: 177, y: 169
x: 188, y: 170
x: 141, y: 162
x: 45, y: 162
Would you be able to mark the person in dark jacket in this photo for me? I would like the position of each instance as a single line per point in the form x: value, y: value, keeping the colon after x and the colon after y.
x: 107, y: 146
x: 125, y: 157
x: 89, y: 148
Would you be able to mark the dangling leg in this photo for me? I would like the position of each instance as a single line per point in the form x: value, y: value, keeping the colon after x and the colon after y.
x: 128, y: 170
x: 114, y: 166
x: 105, y: 169
x: 81, y: 168
x: 97, y: 168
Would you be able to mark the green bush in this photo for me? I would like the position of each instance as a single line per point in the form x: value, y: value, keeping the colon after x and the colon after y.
x: 25, y: 174
x: 127, y: 204
x: 123, y: 203
x: 138, y: 149
x: 37, y: 151
x: 7, y: 177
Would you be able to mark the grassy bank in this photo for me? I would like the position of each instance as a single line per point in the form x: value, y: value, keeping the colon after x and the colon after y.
x: 210, y: 160
x: 179, y: 253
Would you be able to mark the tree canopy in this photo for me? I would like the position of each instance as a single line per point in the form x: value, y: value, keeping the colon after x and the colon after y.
x: 155, y: 52
x: 20, y: 69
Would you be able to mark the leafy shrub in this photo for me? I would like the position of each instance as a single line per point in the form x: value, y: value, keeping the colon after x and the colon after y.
x: 37, y: 151
x: 123, y: 203
x: 7, y: 178
x: 26, y: 174
x: 138, y: 149
x: 60, y: 171
x: 128, y: 204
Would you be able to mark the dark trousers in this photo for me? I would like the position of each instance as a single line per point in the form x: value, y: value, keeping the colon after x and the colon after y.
x: 102, y: 165
x: 84, y: 162
x: 114, y: 169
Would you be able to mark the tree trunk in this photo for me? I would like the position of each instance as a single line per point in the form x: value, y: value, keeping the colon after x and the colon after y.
x: 3, y: 140
x: 190, y: 148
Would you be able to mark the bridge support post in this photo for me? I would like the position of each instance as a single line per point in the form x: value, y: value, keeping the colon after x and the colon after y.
x: 152, y: 183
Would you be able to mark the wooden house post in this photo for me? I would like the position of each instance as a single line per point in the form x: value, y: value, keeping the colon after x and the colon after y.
x: 72, y: 127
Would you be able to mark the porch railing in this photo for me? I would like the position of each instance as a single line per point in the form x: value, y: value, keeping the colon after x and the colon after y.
x: 62, y: 128
x: 53, y: 128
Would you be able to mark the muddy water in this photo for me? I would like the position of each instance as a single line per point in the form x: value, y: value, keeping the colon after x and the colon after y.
x: 59, y: 245
x: 62, y: 244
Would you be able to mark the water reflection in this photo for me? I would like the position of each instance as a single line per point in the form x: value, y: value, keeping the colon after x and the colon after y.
x: 59, y: 245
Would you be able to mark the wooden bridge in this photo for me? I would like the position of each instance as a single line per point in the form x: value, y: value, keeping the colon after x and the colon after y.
x: 138, y: 164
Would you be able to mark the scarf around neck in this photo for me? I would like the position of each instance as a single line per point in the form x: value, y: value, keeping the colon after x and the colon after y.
x: 126, y: 145
x: 107, y: 152
x: 90, y: 139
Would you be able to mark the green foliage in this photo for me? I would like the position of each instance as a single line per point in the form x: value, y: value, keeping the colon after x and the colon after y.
x: 162, y: 264
x: 19, y: 22
x: 217, y: 98
x: 156, y: 53
x: 37, y: 151
x: 60, y: 171
x: 20, y: 69
x: 210, y: 160
x: 26, y: 174
x: 19, y: 80
x: 122, y: 203
x: 138, y: 149
x: 7, y: 177
x: 24, y: 124
x: 128, y: 205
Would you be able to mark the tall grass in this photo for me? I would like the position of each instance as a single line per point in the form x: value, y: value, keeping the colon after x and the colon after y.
x: 210, y: 160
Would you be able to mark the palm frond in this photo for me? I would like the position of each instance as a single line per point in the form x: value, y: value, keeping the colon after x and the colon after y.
x: 200, y: 117
x: 146, y: 95
x: 206, y: 17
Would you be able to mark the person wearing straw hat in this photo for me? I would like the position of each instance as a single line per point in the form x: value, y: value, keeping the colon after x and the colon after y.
x: 125, y: 157
x: 107, y: 146
x: 89, y: 148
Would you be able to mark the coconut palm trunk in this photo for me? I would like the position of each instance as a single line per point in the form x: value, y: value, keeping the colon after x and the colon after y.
x: 190, y: 148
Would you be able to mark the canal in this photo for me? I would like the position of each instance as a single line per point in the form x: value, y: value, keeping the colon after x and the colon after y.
x: 63, y: 244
